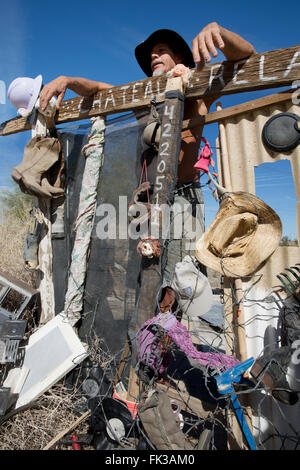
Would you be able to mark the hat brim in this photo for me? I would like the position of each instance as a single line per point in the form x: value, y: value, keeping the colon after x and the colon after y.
x: 264, y: 240
x: 36, y: 91
x: 176, y: 42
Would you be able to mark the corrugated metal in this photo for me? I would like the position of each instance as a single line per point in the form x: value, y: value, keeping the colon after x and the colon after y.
x: 242, y: 148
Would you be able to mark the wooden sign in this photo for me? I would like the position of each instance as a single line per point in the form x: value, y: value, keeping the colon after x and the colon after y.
x: 261, y: 71
x: 163, y: 192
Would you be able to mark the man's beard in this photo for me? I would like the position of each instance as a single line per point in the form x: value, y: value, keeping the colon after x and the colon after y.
x: 158, y: 72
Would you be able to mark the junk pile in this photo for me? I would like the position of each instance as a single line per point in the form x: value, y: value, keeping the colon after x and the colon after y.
x: 176, y: 383
x: 15, y: 299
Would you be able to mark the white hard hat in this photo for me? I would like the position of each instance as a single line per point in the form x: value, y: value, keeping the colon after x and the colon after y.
x: 193, y: 287
x: 23, y: 93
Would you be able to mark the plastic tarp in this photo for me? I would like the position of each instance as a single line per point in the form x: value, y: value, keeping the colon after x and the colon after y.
x: 113, y: 264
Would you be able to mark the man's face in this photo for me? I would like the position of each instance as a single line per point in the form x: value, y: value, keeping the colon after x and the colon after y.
x: 163, y: 59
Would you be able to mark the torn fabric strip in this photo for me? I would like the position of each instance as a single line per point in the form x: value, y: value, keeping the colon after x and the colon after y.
x: 93, y: 152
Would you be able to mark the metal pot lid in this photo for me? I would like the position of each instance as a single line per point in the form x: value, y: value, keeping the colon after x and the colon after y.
x: 281, y: 132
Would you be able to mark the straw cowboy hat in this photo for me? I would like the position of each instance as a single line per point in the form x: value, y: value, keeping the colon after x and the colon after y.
x: 175, y: 41
x: 244, y: 233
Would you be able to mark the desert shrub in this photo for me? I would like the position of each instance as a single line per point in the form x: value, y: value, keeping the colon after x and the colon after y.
x: 13, y: 228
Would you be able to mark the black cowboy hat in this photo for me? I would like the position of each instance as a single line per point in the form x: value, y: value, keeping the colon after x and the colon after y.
x: 173, y: 39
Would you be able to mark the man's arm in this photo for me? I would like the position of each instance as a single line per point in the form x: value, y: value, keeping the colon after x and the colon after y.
x: 214, y: 37
x: 58, y: 87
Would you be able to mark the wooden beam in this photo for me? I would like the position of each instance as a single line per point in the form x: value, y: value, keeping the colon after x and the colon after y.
x: 164, y: 184
x: 261, y: 71
x: 165, y: 175
x: 67, y: 430
x: 20, y: 124
x: 236, y: 110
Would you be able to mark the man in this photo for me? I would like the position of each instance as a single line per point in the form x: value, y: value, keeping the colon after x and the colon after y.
x: 160, y: 53
x: 205, y: 44
x: 157, y: 55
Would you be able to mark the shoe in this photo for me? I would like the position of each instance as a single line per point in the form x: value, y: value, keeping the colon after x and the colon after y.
x: 40, y: 154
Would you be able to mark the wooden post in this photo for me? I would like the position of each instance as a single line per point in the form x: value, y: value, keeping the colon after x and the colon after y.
x: 238, y: 321
x: 237, y: 318
x: 164, y: 184
x: 45, y: 255
x: 67, y: 430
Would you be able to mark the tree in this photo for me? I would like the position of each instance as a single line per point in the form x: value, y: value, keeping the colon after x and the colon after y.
x: 286, y: 241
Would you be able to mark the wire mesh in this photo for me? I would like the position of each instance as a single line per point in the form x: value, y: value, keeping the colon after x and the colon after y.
x: 204, y: 415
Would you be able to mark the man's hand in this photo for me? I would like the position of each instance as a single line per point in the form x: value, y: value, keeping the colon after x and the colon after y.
x: 58, y: 87
x: 214, y: 37
x: 55, y: 88
x: 206, y: 42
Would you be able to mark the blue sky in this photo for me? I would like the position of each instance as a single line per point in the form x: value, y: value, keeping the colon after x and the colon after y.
x: 96, y: 40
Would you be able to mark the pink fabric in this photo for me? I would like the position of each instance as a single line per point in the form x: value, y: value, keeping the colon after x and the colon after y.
x: 204, y: 159
x: 180, y: 335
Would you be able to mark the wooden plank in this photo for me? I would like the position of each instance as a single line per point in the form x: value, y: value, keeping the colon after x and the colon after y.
x: 45, y: 256
x: 133, y: 392
x: 67, y: 430
x: 261, y: 71
x: 237, y: 440
x: 236, y: 110
x: 164, y: 184
x: 20, y: 124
